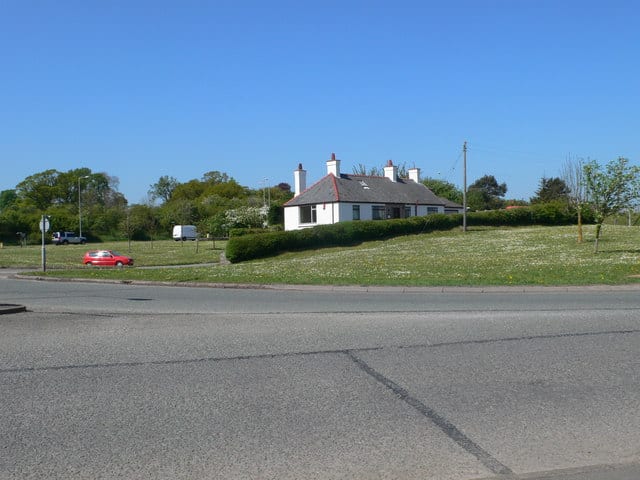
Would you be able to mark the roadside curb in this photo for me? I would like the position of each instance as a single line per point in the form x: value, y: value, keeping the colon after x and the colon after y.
x: 353, y: 288
x: 6, y: 308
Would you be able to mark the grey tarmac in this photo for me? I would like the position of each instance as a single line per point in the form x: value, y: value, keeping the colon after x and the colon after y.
x: 144, y: 381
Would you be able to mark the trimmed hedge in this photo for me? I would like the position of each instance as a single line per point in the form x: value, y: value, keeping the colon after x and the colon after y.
x: 253, y: 246
x: 240, y: 231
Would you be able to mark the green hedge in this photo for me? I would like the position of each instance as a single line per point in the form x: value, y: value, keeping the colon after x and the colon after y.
x: 252, y: 246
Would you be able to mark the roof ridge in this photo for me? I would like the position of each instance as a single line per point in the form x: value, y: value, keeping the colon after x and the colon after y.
x: 363, y: 175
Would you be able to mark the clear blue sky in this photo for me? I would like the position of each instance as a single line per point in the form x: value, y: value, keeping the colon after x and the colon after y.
x: 141, y: 89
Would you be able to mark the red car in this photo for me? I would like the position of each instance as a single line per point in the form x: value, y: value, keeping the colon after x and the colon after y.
x: 108, y: 258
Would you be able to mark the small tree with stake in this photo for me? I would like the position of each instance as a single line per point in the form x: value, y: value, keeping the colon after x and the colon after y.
x: 610, y: 190
x: 573, y: 176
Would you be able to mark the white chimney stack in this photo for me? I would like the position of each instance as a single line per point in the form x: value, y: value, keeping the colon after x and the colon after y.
x: 414, y: 174
x: 333, y: 166
x: 391, y: 171
x: 299, y: 180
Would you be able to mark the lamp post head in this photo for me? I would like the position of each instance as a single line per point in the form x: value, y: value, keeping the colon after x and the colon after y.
x: 80, y: 178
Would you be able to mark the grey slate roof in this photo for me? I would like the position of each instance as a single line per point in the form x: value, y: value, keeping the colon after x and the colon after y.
x: 367, y: 189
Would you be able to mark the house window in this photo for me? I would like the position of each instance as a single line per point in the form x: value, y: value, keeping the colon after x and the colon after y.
x: 356, y: 212
x: 377, y: 212
x: 308, y: 214
x: 407, y: 211
x: 431, y: 210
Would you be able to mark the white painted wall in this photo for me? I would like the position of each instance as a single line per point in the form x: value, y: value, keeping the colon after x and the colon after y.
x: 326, y: 214
x: 291, y: 218
x: 329, y: 213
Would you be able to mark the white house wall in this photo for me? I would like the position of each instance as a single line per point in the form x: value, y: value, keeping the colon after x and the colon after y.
x: 328, y: 213
x: 291, y: 218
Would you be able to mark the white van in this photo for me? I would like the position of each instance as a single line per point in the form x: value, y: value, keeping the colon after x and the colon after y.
x: 184, y: 232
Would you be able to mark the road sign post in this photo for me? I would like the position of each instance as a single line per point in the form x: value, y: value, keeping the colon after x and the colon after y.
x: 44, y: 227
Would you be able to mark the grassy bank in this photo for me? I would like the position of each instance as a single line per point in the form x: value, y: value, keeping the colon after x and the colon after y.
x: 488, y: 256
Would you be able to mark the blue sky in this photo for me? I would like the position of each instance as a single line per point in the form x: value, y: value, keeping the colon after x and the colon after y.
x: 141, y: 89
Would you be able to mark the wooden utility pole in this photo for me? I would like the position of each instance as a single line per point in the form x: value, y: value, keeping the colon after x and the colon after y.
x: 464, y: 188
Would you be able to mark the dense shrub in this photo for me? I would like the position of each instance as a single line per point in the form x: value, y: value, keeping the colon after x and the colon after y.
x: 251, y: 246
x: 247, y: 247
x: 557, y: 213
x: 239, y: 232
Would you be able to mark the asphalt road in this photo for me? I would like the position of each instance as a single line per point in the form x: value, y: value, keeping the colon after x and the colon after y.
x: 140, y: 381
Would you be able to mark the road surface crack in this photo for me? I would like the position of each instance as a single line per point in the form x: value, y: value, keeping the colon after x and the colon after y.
x: 453, y: 432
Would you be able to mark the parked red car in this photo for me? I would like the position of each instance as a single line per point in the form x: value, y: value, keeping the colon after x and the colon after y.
x: 108, y: 258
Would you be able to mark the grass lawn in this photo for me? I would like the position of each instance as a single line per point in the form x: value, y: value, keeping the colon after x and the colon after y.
x: 482, y: 256
x: 162, y: 252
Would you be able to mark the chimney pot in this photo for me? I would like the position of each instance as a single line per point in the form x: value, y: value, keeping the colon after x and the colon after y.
x: 391, y: 171
x: 333, y: 166
x: 299, y: 180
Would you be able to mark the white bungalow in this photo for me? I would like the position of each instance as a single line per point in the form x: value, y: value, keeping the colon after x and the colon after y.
x: 339, y: 197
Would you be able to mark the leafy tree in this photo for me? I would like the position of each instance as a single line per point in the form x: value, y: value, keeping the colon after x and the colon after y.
x: 128, y: 227
x: 40, y: 190
x: 99, y: 190
x: 573, y: 176
x: 216, y: 225
x: 107, y: 220
x: 443, y: 189
x: 181, y: 212
x: 197, y: 201
x: 141, y: 222
x: 105, y: 211
x: 489, y: 184
x: 280, y: 193
x: 190, y: 190
x: 477, y: 200
x: 611, y: 189
x: 215, y: 176
x: 67, y: 184
x: 7, y: 198
x: 163, y: 188
x: 230, y: 189
x: 57, y: 193
x: 486, y: 193
x: 14, y: 219
x: 551, y: 190
x: 275, y: 215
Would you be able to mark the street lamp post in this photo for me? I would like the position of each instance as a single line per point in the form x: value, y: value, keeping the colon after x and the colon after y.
x: 80, y: 205
x: 266, y: 193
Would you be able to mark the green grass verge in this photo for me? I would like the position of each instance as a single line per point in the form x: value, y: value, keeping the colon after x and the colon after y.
x: 162, y: 252
x: 480, y: 257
